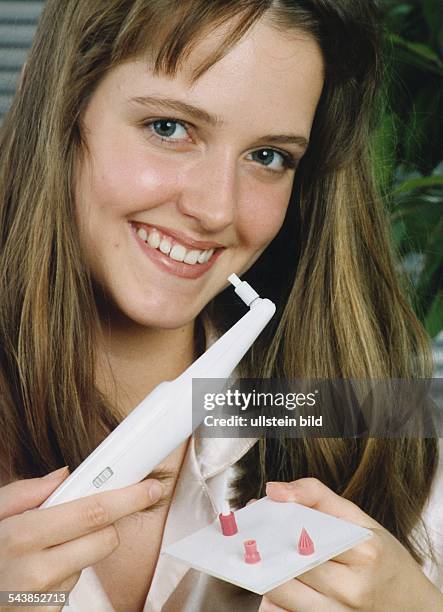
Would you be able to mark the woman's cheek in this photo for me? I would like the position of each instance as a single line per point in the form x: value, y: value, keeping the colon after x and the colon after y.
x: 130, y: 185
x: 262, y: 216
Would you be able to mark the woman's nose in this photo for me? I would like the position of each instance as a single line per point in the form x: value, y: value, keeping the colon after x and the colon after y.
x: 210, y: 194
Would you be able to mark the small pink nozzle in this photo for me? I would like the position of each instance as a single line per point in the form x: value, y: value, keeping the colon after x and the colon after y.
x: 228, y: 523
x: 251, y: 553
x: 305, y: 544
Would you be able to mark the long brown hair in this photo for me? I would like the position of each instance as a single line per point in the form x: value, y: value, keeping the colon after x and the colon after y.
x: 330, y: 269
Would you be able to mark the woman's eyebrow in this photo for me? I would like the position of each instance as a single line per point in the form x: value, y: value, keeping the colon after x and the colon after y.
x: 178, y: 106
x: 284, y: 139
x: 172, y: 104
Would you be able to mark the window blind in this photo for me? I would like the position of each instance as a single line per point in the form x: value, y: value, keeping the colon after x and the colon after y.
x: 18, y: 21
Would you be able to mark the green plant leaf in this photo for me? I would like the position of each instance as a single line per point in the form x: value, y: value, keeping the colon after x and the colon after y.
x: 383, y: 147
x: 433, y: 14
x: 418, y: 48
x: 418, y: 54
x: 434, y: 317
x: 430, y: 281
x: 418, y: 183
x: 398, y: 232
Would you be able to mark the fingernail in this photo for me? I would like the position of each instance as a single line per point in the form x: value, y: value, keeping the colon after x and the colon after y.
x: 285, y: 485
x: 155, y: 491
x: 57, y: 473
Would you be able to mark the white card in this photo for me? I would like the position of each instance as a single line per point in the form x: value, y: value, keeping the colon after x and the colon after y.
x: 276, y: 528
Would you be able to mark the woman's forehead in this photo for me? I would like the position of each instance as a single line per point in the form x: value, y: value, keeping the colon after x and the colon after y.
x: 270, y: 43
x: 267, y: 77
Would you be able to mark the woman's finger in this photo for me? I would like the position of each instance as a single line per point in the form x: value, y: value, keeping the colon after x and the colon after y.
x: 362, y: 554
x: 77, y: 518
x: 72, y: 557
x: 298, y: 597
x: 267, y: 606
x: 314, y: 494
x: 335, y: 580
x: 21, y: 495
x: 69, y: 583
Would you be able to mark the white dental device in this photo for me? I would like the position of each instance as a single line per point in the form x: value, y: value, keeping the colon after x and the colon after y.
x: 164, y: 419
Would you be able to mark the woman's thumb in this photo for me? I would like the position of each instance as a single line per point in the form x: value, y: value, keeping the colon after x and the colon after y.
x: 312, y: 493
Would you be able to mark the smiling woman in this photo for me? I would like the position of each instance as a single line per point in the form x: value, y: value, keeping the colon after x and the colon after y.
x: 154, y: 148
x: 205, y: 174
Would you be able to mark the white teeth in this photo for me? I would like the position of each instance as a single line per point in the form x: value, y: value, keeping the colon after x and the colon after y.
x: 191, y: 257
x: 165, y: 246
x: 154, y: 239
x: 142, y: 233
x: 205, y: 256
x: 209, y: 254
x: 178, y: 252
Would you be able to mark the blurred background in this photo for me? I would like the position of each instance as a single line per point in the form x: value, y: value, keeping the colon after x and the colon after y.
x: 408, y: 147
x: 409, y: 152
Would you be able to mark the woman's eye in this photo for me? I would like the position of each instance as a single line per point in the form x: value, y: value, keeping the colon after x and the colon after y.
x: 168, y: 129
x: 272, y: 159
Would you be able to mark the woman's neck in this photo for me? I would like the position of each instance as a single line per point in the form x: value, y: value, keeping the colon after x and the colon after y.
x: 133, y: 359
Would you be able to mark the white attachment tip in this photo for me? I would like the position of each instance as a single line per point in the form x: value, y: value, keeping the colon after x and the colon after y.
x: 226, y: 510
x: 234, y: 280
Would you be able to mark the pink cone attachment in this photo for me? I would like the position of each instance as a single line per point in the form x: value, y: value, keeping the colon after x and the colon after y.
x: 251, y: 553
x: 228, y: 523
x: 305, y: 544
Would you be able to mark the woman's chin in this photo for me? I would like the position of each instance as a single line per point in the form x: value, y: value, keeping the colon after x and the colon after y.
x: 163, y: 316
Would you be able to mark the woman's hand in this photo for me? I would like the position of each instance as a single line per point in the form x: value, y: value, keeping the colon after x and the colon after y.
x: 45, y: 549
x: 378, y: 575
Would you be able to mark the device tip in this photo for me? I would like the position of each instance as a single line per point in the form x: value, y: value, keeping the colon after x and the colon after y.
x: 243, y: 290
x: 226, y: 510
x: 234, y: 280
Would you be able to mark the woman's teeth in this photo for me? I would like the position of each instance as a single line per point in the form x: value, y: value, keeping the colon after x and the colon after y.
x: 177, y: 252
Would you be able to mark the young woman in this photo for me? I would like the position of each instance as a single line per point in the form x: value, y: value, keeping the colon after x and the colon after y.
x: 154, y: 148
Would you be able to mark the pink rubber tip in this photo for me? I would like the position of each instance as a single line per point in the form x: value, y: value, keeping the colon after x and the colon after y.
x: 305, y: 544
x: 228, y: 524
x: 251, y: 553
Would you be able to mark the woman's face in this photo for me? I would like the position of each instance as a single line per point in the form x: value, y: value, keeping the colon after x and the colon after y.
x: 177, y: 173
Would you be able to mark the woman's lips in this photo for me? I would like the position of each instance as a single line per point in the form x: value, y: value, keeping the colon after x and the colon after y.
x: 177, y: 268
